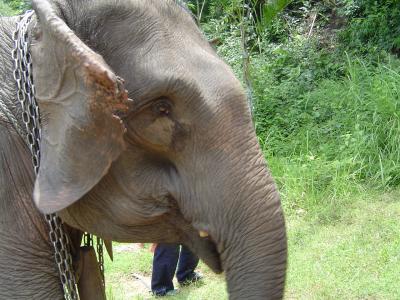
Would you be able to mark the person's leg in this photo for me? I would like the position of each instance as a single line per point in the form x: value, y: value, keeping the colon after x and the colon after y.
x: 187, y: 264
x: 164, y: 266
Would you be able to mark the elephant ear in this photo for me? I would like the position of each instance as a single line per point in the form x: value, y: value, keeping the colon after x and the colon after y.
x: 78, y: 96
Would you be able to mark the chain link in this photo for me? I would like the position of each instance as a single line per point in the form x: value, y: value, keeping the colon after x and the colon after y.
x: 88, y: 239
x: 100, y: 245
x: 31, y: 118
x: 63, y: 257
x: 25, y: 93
x: 88, y: 242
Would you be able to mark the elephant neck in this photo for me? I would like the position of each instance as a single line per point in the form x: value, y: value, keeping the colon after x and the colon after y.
x: 17, y: 209
x: 28, y: 270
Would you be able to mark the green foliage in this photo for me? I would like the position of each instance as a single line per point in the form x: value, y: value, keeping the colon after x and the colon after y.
x: 271, y: 9
x: 13, y: 7
x: 325, y: 137
x: 373, y: 24
x: 5, y: 10
x: 18, y: 6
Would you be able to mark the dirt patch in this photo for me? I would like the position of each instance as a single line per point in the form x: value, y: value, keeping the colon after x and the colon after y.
x: 128, y: 248
x: 130, y: 286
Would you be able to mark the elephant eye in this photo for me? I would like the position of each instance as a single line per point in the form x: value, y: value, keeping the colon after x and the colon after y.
x: 162, y: 108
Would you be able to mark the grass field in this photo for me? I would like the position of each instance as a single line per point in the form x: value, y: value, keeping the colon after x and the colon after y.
x: 355, y: 257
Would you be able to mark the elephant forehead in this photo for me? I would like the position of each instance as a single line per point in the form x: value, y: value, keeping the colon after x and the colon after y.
x: 188, y: 71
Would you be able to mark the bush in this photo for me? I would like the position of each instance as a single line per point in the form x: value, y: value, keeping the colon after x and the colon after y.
x: 18, y: 6
x: 282, y: 77
x: 354, y: 122
x: 5, y: 10
x: 373, y: 25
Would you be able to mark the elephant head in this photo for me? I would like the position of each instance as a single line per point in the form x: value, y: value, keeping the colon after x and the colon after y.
x: 178, y: 163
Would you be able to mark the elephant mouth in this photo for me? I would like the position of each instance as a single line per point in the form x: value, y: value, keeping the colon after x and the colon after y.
x: 202, y: 245
x: 200, y: 242
x: 207, y: 251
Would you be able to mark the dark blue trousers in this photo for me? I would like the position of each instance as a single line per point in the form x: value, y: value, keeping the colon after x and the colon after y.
x: 166, y: 257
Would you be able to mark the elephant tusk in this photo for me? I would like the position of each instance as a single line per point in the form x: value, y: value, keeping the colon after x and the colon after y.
x: 203, y: 234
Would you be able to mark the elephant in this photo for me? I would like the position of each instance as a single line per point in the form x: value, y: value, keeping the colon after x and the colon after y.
x: 146, y: 136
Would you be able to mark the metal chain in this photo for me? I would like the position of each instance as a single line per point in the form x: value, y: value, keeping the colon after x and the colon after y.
x: 25, y: 93
x: 100, y: 245
x: 88, y: 241
x: 31, y: 118
x: 63, y: 257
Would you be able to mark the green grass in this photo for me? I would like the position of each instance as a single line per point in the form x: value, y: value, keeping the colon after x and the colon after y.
x: 121, y: 284
x: 358, y: 257
x: 5, y: 10
x: 314, y: 188
x: 13, y: 7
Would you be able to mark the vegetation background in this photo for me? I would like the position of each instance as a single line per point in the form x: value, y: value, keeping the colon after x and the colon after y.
x: 324, y: 81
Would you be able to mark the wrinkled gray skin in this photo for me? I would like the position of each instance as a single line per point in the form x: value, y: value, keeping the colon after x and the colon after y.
x: 187, y: 159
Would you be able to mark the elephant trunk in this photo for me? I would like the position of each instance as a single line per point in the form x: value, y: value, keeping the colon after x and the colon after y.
x: 254, y: 255
x: 255, y: 258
